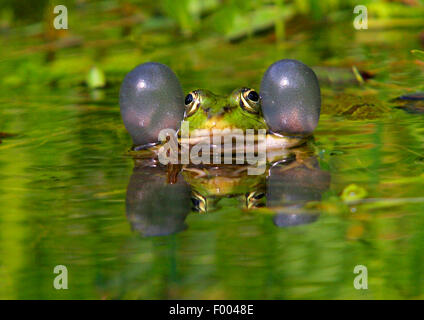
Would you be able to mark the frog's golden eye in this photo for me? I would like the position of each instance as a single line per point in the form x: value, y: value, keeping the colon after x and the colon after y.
x: 250, y: 101
x: 192, y: 103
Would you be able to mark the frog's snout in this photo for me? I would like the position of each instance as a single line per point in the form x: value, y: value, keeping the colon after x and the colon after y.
x: 210, y: 113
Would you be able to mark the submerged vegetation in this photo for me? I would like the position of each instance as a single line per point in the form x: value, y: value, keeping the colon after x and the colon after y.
x: 65, y: 173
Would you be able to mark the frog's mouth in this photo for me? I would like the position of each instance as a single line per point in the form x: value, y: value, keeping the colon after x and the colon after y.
x: 216, y: 137
x: 237, y: 138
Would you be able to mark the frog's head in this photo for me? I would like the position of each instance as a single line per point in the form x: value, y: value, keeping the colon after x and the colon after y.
x: 207, y: 111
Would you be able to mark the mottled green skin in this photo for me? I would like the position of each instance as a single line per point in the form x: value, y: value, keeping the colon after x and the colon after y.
x: 220, y: 112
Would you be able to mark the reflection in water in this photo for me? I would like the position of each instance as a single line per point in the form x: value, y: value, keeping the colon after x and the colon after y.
x: 211, y: 184
x: 291, y: 186
x: 154, y: 206
x: 160, y: 198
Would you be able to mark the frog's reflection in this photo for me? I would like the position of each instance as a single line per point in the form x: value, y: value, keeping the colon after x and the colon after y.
x: 159, y: 198
x: 290, y: 187
x: 211, y: 184
x: 155, y: 205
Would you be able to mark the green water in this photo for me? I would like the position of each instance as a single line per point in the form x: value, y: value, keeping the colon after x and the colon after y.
x: 64, y: 175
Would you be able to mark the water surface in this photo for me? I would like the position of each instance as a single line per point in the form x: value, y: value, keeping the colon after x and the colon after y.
x: 64, y: 177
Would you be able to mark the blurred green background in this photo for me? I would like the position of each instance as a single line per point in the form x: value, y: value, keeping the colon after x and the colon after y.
x: 64, y: 170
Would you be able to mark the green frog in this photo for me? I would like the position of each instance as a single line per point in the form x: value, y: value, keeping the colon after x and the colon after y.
x: 286, y: 109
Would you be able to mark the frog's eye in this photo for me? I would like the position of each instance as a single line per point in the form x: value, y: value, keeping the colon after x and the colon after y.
x: 188, y: 99
x: 250, y: 101
x: 192, y: 103
x: 253, y: 96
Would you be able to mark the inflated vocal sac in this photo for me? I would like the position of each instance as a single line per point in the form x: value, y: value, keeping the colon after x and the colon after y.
x: 291, y: 98
x: 151, y: 99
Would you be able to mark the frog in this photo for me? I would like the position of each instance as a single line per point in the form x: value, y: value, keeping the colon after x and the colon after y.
x: 286, y: 108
